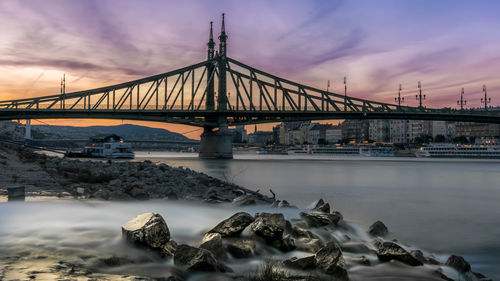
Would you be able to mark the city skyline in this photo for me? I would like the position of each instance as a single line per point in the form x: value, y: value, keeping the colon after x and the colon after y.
x: 447, y: 45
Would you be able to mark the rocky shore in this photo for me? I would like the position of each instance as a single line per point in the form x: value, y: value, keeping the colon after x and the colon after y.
x: 315, y: 244
x: 43, y: 175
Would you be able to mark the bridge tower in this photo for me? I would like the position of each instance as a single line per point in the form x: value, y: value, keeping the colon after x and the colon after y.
x: 217, y: 144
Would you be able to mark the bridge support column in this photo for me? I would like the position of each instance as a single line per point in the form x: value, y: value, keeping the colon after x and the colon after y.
x: 216, y: 144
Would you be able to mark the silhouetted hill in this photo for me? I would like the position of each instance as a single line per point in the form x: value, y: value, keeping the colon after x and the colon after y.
x: 127, y: 131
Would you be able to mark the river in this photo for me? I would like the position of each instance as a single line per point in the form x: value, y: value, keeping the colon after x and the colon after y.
x: 445, y: 206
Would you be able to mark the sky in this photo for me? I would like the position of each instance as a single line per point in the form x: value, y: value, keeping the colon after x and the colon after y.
x: 377, y: 45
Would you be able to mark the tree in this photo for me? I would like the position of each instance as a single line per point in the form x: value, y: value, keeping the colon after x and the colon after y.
x: 439, y: 138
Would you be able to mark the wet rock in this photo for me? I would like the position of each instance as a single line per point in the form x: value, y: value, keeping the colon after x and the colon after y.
x: 269, y: 226
x: 168, y: 250
x: 114, y: 261
x: 418, y: 255
x: 316, y: 204
x: 306, y: 262
x: 244, y: 200
x: 392, y: 251
x: 213, y: 243
x: 330, y: 260
x: 195, y: 259
x: 234, y: 225
x: 302, y: 233
x: 286, y: 244
x: 355, y: 247
x: 148, y: 229
x: 320, y: 206
x: 318, y: 219
x: 458, y: 263
x: 241, y: 248
x: 310, y: 245
x: 378, y: 228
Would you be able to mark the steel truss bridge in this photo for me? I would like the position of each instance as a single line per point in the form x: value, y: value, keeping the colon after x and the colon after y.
x: 245, y: 95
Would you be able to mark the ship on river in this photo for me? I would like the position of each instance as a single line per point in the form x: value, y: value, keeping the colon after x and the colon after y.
x: 459, y: 151
x: 104, y: 146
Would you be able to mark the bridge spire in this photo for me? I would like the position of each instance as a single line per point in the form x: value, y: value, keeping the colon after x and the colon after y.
x: 222, y: 39
x: 486, y: 99
x: 461, y: 102
x: 211, y: 43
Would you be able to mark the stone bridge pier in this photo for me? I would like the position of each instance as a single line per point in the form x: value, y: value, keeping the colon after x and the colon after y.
x: 216, y: 144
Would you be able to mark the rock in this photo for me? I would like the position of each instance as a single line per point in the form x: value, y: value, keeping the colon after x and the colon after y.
x: 418, y: 255
x: 241, y: 248
x: 316, y: 204
x: 481, y: 277
x: 378, y: 228
x: 306, y: 262
x: 355, y: 247
x: 234, y: 225
x: 285, y: 244
x: 138, y: 193
x: 101, y: 194
x: 195, y: 259
x: 317, y: 219
x: 269, y: 226
x: 148, y: 229
x: 392, y: 251
x: 325, y: 208
x: 169, y: 249
x: 458, y: 263
x: 213, y: 243
x: 302, y: 233
x: 119, y: 196
x: 244, y: 200
x: 330, y: 260
x: 310, y: 245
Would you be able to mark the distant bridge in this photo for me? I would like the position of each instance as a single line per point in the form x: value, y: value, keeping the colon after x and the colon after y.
x: 245, y: 95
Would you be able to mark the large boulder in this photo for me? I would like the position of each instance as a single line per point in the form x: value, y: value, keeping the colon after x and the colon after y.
x: 234, y: 225
x: 213, y: 243
x: 392, y: 251
x: 318, y: 219
x: 169, y: 249
x: 148, y: 230
x: 269, y: 226
x: 458, y: 263
x: 378, y: 228
x: 311, y: 245
x: 285, y: 244
x: 300, y: 232
x: 306, y: 262
x: 195, y: 259
x: 331, y: 261
x: 241, y: 248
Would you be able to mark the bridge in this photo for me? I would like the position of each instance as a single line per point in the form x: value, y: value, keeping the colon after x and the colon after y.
x: 245, y: 95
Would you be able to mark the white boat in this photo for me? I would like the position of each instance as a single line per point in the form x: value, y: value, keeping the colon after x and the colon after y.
x: 306, y: 149
x: 461, y: 151
x: 105, y: 146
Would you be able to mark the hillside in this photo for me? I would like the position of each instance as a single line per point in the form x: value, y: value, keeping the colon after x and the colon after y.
x: 127, y: 131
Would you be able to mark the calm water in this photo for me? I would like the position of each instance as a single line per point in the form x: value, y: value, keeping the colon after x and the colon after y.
x: 443, y: 206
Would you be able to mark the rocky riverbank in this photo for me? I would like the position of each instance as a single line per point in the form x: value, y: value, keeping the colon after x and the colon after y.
x: 43, y: 175
x: 272, y: 243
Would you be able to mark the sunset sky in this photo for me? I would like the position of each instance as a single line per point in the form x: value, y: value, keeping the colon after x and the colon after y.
x: 377, y: 44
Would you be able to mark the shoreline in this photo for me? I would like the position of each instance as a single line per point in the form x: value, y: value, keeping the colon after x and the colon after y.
x: 220, y: 192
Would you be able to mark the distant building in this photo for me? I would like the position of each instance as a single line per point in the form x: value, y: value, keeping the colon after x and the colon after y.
x: 239, y: 134
x: 317, y: 133
x: 478, y: 132
x: 333, y: 134
x: 292, y: 133
x: 356, y: 130
x: 444, y: 128
x: 399, y: 131
x: 260, y: 138
x: 380, y: 130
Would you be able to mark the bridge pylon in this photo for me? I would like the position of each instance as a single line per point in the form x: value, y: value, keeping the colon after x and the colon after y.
x: 216, y: 142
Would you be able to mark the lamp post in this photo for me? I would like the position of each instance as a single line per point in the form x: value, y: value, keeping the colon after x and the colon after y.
x: 419, y: 97
x: 486, y: 99
x: 462, y: 102
x: 399, y: 99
